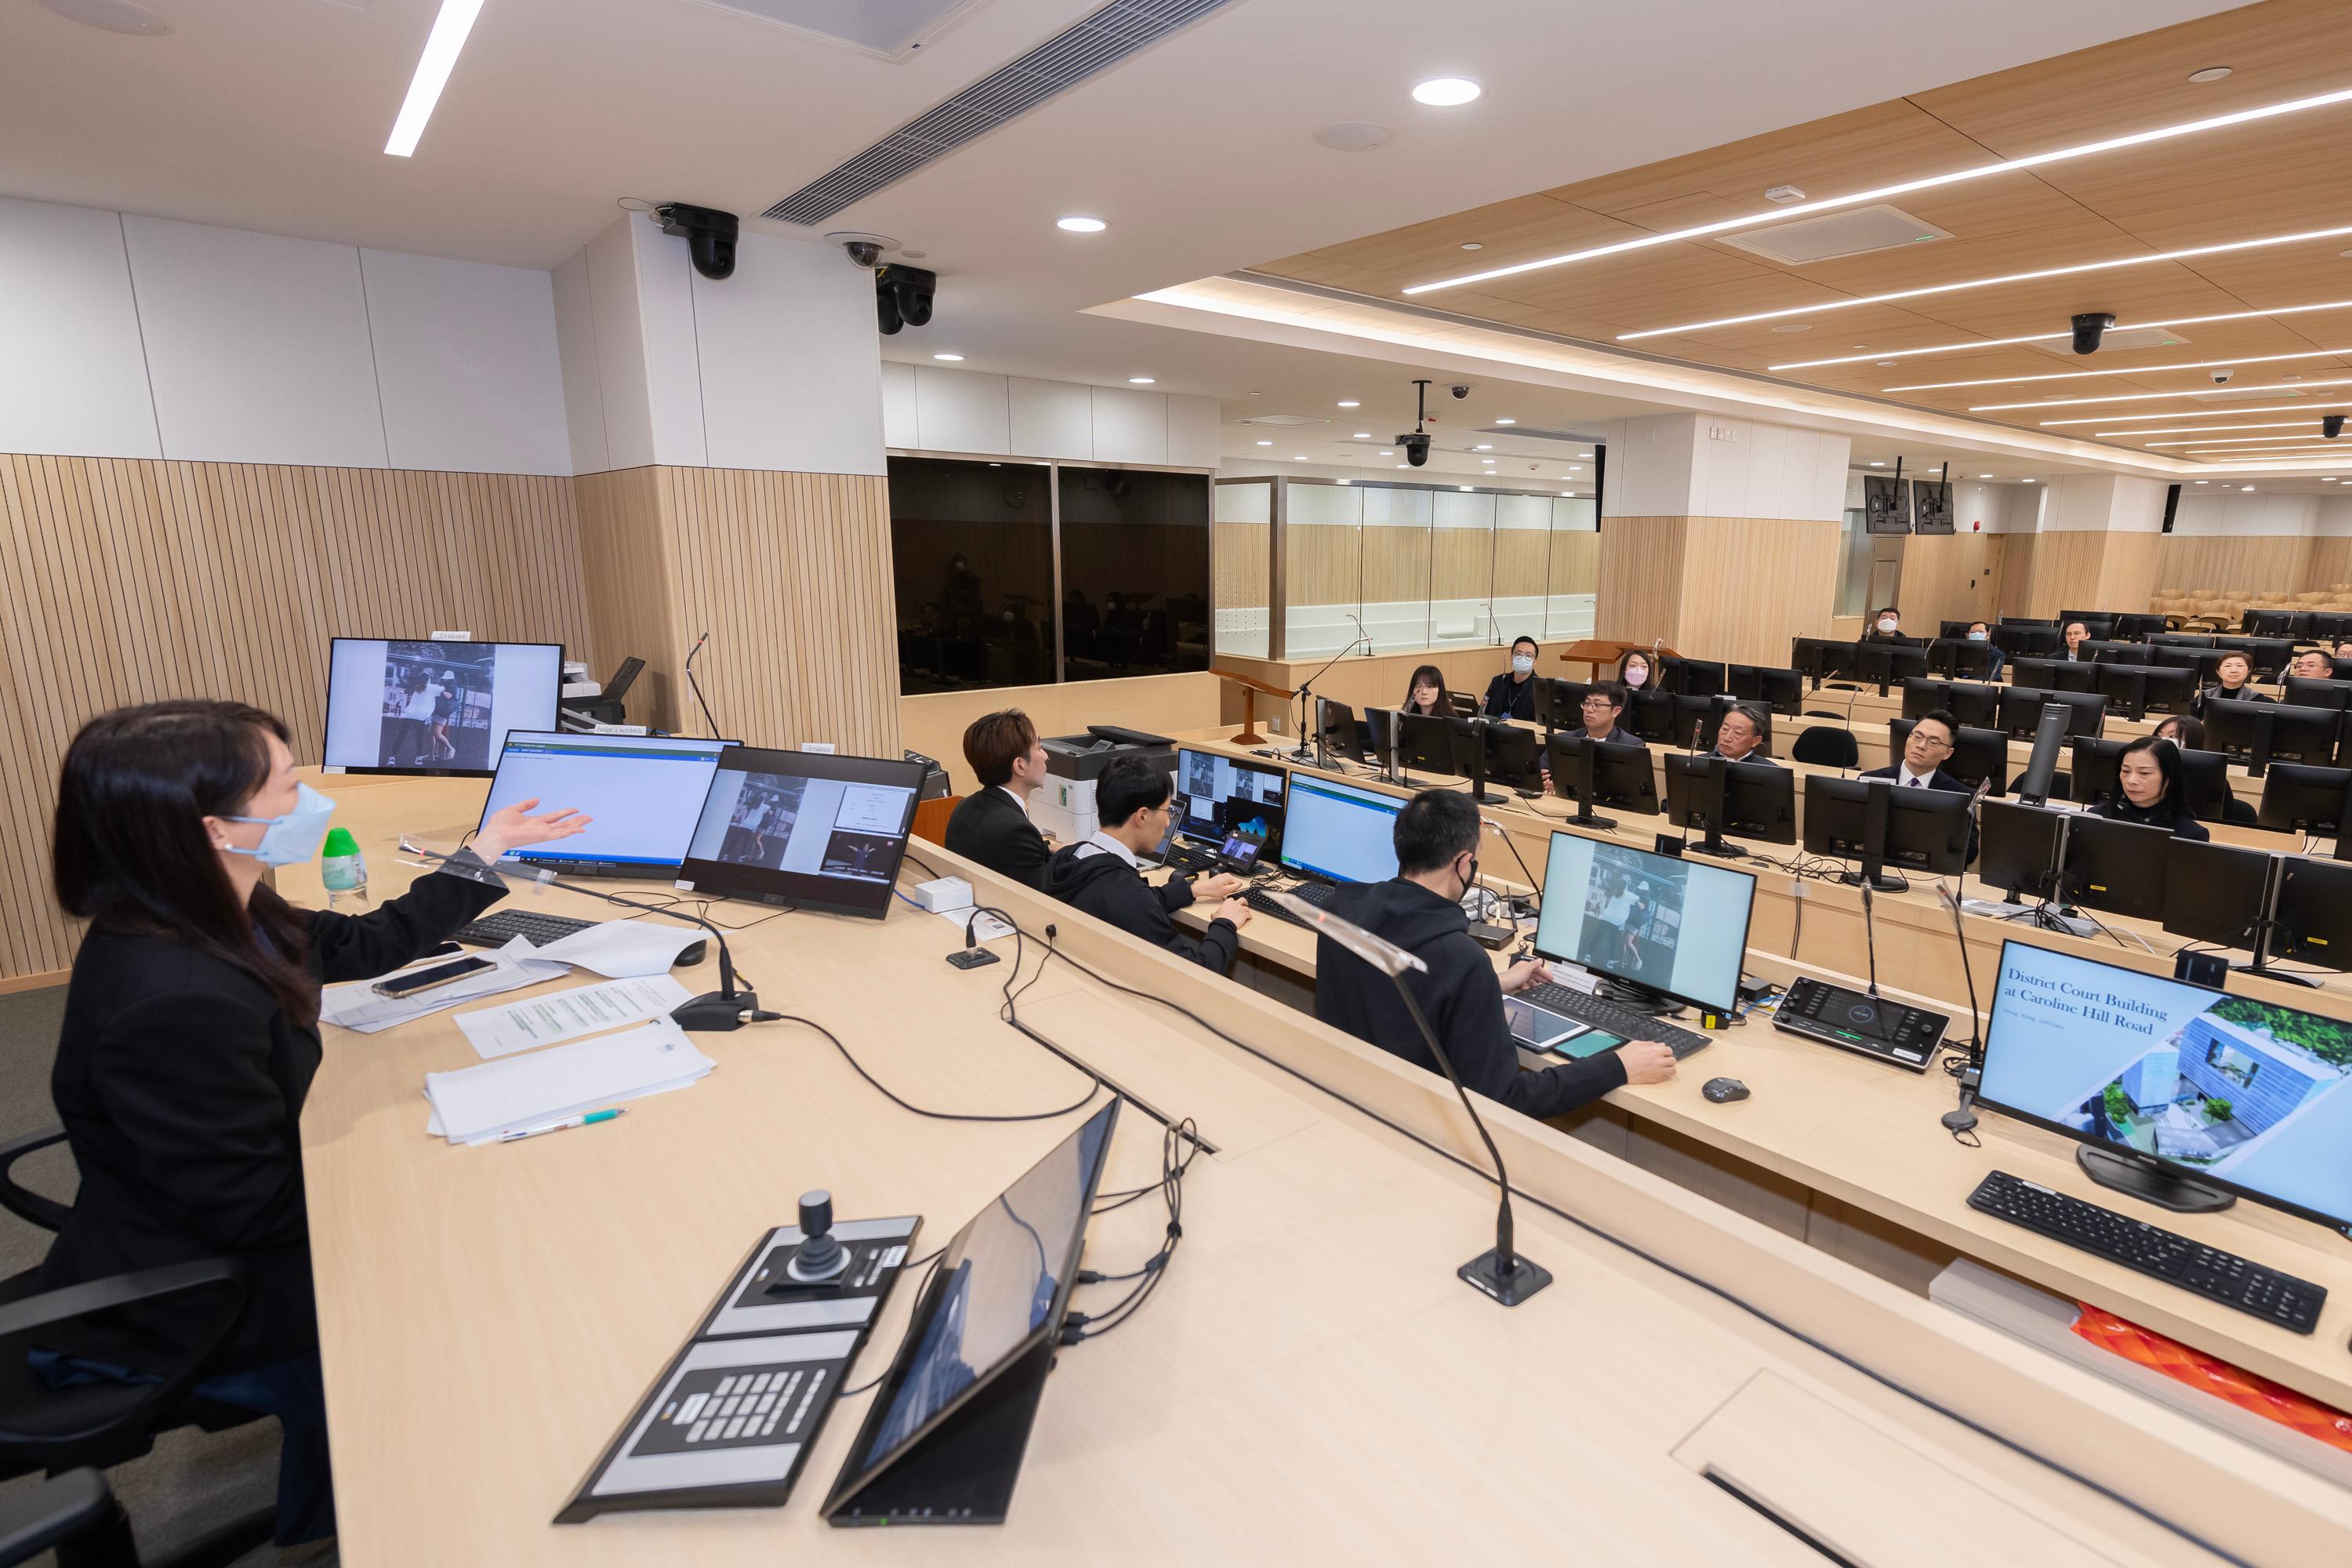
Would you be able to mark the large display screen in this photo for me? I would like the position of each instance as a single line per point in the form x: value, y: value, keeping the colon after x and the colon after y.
x: 1225, y: 799
x: 434, y: 707
x: 808, y: 828
x: 1676, y: 926
x: 640, y: 792
x: 1340, y: 832
x: 2237, y: 1093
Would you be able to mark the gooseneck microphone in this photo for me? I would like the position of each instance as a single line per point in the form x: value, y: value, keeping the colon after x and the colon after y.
x: 1501, y: 1274
x: 697, y: 685
x: 1972, y: 1073
x: 1870, y: 937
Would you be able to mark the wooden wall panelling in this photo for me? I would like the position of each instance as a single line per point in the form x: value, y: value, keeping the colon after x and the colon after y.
x: 1376, y: 680
x: 2331, y: 562
x: 630, y: 585
x: 131, y: 579
x: 1751, y: 584
x: 1522, y: 562
x: 1641, y: 578
x: 1462, y: 564
x: 1240, y: 551
x: 2020, y: 562
x: 1396, y: 565
x: 1575, y: 561
x: 2267, y: 563
x: 1327, y: 567
x: 2065, y: 568
x: 2127, y: 568
x: 1949, y: 577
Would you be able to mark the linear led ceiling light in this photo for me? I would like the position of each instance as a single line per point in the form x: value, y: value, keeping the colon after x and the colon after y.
x: 2079, y: 267
x: 1884, y: 193
x: 2312, y: 406
x: 2137, y: 369
x: 2155, y: 396
x: 2250, y: 441
x: 441, y: 49
x: 2201, y: 429
x: 2062, y: 337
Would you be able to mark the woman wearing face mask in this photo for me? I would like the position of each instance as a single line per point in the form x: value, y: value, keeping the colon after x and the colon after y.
x: 190, y: 1037
x: 1426, y: 691
x: 2233, y: 680
x: 2149, y: 773
x: 1980, y: 633
x: 1512, y: 694
x: 2187, y: 733
x: 1636, y: 671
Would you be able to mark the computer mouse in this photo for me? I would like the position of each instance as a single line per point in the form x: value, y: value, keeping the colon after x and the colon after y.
x: 1723, y: 1090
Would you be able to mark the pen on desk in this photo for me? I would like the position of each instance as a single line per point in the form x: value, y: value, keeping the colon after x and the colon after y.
x: 589, y: 1120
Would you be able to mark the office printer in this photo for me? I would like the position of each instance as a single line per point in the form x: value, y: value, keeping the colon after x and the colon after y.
x: 1064, y: 807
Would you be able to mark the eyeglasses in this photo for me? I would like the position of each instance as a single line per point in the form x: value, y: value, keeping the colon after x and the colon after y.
x: 1597, y: 704
x: 1933, y: 742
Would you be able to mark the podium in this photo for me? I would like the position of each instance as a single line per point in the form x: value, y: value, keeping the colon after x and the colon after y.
x: 1597, y: 651
x: 1252, y: 688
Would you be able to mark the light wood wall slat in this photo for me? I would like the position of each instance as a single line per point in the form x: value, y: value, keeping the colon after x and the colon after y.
x: 1950, y: 577
x: 2266, y: 563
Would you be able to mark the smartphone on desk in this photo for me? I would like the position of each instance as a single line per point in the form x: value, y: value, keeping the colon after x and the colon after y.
x: 415, y: 981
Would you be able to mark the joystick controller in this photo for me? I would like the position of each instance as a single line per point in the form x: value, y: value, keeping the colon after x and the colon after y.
x: 821, y: 1257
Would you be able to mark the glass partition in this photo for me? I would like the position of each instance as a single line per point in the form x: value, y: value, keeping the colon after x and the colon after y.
x: 1242, y: 546
x: 1323, y: 529
x: 1134, y: 572
x: 1573, y: 569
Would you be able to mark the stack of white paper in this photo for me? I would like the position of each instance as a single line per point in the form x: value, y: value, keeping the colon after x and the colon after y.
x: 554, y: 1016
x: 475, y: 1105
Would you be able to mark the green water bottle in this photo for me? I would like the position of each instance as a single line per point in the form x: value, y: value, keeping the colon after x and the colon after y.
x: 344, y: 869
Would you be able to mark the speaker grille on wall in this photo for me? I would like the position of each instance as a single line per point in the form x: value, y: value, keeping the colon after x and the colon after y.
x: 1093, y: 44
x: 2172, y: 505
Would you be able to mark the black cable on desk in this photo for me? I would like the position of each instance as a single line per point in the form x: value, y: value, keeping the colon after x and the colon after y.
x: 927, y: 1264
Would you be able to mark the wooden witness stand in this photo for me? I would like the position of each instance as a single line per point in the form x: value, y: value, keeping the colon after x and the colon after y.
x: 1598, y: 651
x: 1251, y: 686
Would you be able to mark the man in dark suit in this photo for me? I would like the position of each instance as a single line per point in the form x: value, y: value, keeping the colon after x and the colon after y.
x: 1604, y: 704
x: 1931, y: 742
x: 1744, y: 735
x: 1512, y: 694
x: 991, y: 825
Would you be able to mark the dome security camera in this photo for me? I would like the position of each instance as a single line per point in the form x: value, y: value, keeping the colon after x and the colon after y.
x: 2222, y: 377
x: 1459, y: 391
x: 863, y: 252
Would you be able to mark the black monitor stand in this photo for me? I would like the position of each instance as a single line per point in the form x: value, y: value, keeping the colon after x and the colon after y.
x: 1478, y: 767
x: 1633, y: 994
x: 1717, y: 794
x: 2264, y: 924
x: 1872, y: 870
x: 1584, y: 767
x: 2160, y: 1185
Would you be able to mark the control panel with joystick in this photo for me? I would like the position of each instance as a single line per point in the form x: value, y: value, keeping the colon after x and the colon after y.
x: 821, y: 1258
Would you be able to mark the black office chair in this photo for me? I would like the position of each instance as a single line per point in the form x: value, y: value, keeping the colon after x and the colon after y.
x: 102, y: 1424
x: 1826, y: 745
x: 74, y: 1513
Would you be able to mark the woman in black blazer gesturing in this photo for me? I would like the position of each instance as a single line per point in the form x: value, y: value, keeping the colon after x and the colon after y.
x: 191, y: 1034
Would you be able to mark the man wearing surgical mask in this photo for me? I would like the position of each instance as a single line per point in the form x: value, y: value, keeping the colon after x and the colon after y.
x: 1512, y: 694
x: 1887, y: 626
x: 191, y: 1034
x: 1980, y: 633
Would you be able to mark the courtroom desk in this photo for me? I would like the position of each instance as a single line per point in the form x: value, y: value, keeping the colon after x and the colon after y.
x: 1915, y: 935
x: 1866, y: 1135
x: 1309, y: 1382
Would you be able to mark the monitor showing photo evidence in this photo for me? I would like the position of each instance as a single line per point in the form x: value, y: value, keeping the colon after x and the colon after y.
x: 641, y: 794
x: 442, y: 708
x: 2247, y: 1097
x: 1340, y: 833
x: 810, y: 829
x: 1675, y: 927
x: 1225, y: 799
x: 989, y: 1316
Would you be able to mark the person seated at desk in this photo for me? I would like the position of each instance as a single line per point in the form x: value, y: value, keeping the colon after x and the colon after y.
x: 1436, y: 839
x: 1744, y: 735
x: 1512, y: 694
x: 2187, y: 733
x: 2234, y: 675
x: 2150, y: 775
x: 1887, y: 626
x: 1604, y: 704
x: 1425, y: 692
x: 1637, y: 671
x: 1933, y: 736
x: 2076, y: 634
x: 190, y: 1039
x: 2312, y: 664
x: 991, y: 825
x: 1979, y: 632
x: 1103, y: 875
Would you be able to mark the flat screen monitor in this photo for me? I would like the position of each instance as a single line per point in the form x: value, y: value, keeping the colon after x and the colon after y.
x: 2138, y: 627
x: 2019, y: 852
x: 1752, y: 800
x: 2020, y: 710
x: 1425, y: 741
x: 1651, y: 715
x: 2124, y: 686
x: 2106, y: 651
x: 2181, y: 639
x: 810, y: 829
x: 2300, y: 798
x: 2025, y: 641
x: 1622, y: 776
x: 994, y: 1303
x: 1512, y: 754
x: 2314, y: 912
x: 1781, y: 689
x: 2055, y: 674
x: 1340, y: 833
x: 2096, y: 769
x: 1925, y: 829
x: 1696, y: 718
x: 2098, y: 623
x: 1931, y: 502
x: 1890, y: 663
x: 1341, y: 734
x: 1818, y: 658
x: 2250, y: 1098
x: 2168, y: 690
x: 640, y: 792
x: 1979, y: 757
x: 1379, y: 734
x: 1961, y: 657
x: 2115, y: 867
x: 1924, y: 694
x: 2262, y: 732
x: 2274, y: 623
x: 1225, y: 799
x: 1886, y: 505
x: 1677, y: 927
x: 1952, y: 631
x: 2214, y: 892
x: 1974, y: 703
x: 438, y: 708
x: 2303, y: 691
x: 1697, y: 676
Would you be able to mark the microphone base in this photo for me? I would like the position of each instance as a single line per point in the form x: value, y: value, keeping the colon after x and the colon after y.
x: 1886, y: 881
x: 1524, y: 1279
x: 715, y: 1011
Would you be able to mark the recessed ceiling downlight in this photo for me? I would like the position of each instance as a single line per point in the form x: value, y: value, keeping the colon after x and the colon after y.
x: 1081, y: 225
x: 111, y: 16
x: 1446, y: 91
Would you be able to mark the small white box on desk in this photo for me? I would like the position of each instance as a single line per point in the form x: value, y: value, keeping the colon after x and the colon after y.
x: 943, y: 894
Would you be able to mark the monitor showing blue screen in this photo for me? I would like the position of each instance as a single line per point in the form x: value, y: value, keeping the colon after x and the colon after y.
x: 642, y: 794
x: 2237, y: 1093
x: 1339, y: 832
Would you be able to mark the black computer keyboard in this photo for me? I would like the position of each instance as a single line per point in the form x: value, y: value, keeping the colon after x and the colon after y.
x: 1624, y: 1022
x: 1185, y: 860
x: 1315, y: 893
x: 502, y: 926
x: 2219, y: 1276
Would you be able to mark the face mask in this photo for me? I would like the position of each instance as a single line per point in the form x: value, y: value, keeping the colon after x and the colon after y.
x: 290, y: 839
x: 1637, y: 677
x: 1522, y: 663
x: 1979, y: 636
x: 1887, y: 625
x: 1470, y: 880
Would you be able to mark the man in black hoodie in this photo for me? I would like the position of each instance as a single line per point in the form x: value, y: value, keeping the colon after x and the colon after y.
x: 1420, y: 911
x: 1104, y: 877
